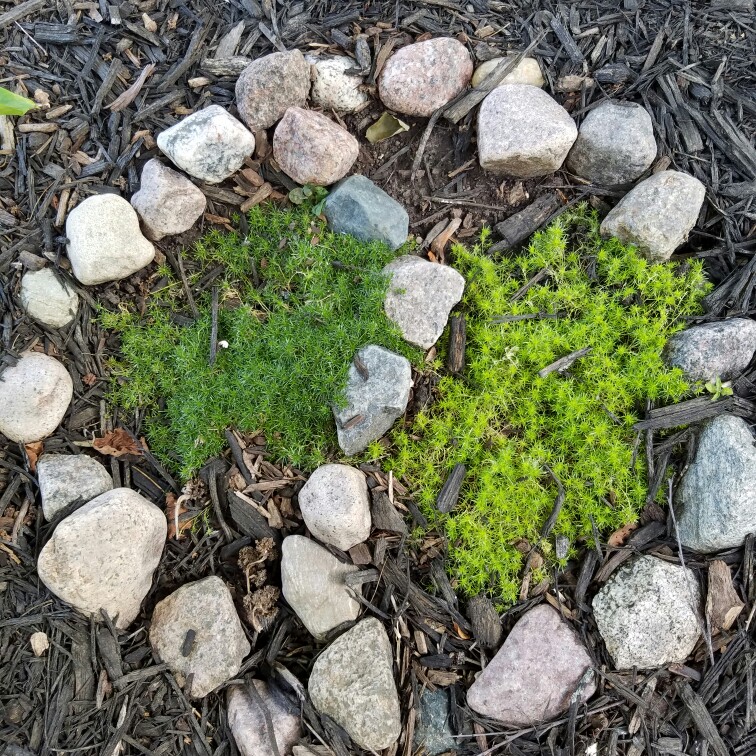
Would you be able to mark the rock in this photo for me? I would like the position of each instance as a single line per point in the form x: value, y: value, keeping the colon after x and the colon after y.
x: 648, y: 613
x: 523, y: 132
x: 527, y: 71
x: 385, y: 515
x: 717, y: 495
x: 432, y: 730
x: 335, y: 506
x: 358, y: 207
x: 248, y: 722
x: 332, y: 87
x: 615, y: 144
x: 313, y: 582
x: 167, y: 202
x: 34, y: 397
x: 104, y: 240
x: 421, y: 77
x: 210, y: 144
x: 312, y: 149
x: 535, y: 673
x: 269, y: 86
x: 103, y: 555
x: 713, y: 350
x: 372, y: 404
x: 47, y: 298
x: 206, y: 608
x: 352, y: 682
x: 658, y: 214
x: 68, y: 478
x: 39, y: 643
x: 420, y: 297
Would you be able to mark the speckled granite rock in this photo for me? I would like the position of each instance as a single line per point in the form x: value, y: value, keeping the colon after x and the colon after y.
x: 47, y: 298
x: 66, y: 478
x: 332, y: 87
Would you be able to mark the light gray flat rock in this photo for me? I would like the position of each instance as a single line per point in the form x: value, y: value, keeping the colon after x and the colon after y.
x: 333, y: 88
x: 47, y: 298
x: 68, y: 478
x: 527, y: 71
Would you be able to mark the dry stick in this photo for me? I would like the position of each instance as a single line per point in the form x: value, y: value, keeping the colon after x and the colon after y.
x: 695, y: 705
x: 14, y: 14
x: 214, y: 327
x: 564, y: 362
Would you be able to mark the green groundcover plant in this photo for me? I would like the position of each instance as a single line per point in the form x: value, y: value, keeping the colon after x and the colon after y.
x: 509, y: 426
x: 296, y: 302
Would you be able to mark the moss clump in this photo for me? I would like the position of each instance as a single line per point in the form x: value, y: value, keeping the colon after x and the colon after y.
x: 291, y: 337
x: 506, y: 424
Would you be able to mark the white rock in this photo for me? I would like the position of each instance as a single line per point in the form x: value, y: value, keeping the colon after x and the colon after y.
x: 206, y: 608
x: 527, y: 71
x: 39, y: 643
x: 68, y: 478
x: 335, y: 505
x: 648, y: 613
x: 104, y: 240
x: 248, y: 722
x: 210, y: 144
x: 103, y: 555
x: 167, y: 202
x: 332, y: 87
x: 313, y: 582
x: 47, y: 299
x: 523, y: 132
x: 34, y: 397
x: 420, y: 297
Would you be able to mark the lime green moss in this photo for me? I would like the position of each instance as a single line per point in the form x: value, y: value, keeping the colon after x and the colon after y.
x: 506, y: 424
x: 290, y: 341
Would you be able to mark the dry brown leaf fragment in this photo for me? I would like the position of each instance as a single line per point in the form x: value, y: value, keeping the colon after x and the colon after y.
x: 34, y: 452
x: 117, y: 443
x: 125, y: 99
x: 89, y: 379
x: 619, y: 537
x: 177, y: 515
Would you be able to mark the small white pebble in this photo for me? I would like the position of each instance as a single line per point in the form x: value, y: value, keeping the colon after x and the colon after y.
x: 223, y: 344
x: 39, y: 643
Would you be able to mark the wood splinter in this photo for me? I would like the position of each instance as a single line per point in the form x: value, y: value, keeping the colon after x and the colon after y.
x: 723, y: 605
x: 563, y: 363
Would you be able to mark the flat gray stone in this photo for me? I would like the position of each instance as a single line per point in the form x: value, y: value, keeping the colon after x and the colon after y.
x: 210, y: 145
x: 523, y: 132
x: 615, y: 144
x: 359, y: 208
x: 352, y: 682
x: 313, y: 582
x: 658, y: 214
x: 248, y: 722
x: 432, y: 729
x: 333, y: 88
x: 420, y: 297
x: 47, y: 298
x: 717, y: 495
x: 535, y: 673
x: 376, y: 396
x: 219, y: 646
x: 713, y: 350
x: 648, y: 613
x: 68, y: 478
x: 103, y: 555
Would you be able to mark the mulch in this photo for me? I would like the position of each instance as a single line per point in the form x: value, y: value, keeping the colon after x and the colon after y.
x: 98, y: 690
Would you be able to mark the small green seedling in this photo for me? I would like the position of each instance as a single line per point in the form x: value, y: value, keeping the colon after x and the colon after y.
x: 717, y: 389
x: 12, y: 104
x: 309, y: 193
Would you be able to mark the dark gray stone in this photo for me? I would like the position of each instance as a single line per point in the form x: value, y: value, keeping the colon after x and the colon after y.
x: 432, y: 730
x: 358, y: 207
x: 66, y: 478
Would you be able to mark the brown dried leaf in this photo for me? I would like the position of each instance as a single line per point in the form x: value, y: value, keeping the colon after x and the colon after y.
x: 619, y: 537
x: 117, y: 443
x: 33, y: 452
x: 175, y: 512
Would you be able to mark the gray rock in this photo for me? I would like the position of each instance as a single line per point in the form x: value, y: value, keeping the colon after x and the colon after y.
x: 206, y: 608
x: 658, y: 214
x: 313, y: 582
x: 352, y: 682
x: 167, y: 202
x: 432, y: 729
x: 420, y: 297
x: 333, y: 88
x: 313, y: 149
x: 335, y: 507
x: 248, y: 722
x: 372, y: 404
x: 269, y: 86
x: 648, y: 613
x: 615, y: 144
x: 713, y: 350
x: 527, y: 71
x: 210, y: 144
x: 68, y: 478
x: 717, y: 495
x: 422, y: 77
x: 104, y: 240
x: 47, y: 298
x: 535, y: 673
x: 523, y: 132
x: 385, y: 515
x: 103, y: 555
x: 358, y: 207
x: 34, y: 397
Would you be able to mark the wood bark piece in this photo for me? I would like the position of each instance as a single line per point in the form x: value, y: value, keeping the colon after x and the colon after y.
x: 695, y: 410
x: 564, y: 362
x: 485, y: 621
x: 695, y: 705
x: 449, y: 494
x: 723, y: 605
x: 20, y: 11
x: 455, y: 360
x: 520, y: 226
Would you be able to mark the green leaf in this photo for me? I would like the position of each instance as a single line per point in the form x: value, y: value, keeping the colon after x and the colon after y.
x: 386, y: 126
x: 711, y: 387
x: 13, y: 104
x: 297, y: 196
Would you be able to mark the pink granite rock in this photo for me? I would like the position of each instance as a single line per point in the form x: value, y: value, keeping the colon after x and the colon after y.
x: 312, y: 149
x: 535, y: 672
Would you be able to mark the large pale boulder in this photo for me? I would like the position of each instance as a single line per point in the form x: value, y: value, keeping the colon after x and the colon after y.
x: 104, y: 240
x: 68, y: 478
x: 103, y: 555
x: 47, y: 298
x: 332, y: 87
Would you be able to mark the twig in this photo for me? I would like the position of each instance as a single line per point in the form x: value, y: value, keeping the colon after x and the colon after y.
x: 564, y: 362
x: 214, y: 327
